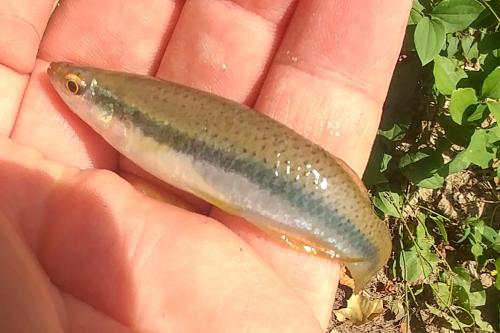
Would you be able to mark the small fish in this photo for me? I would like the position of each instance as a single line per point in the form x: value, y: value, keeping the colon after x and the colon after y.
x: 237, y: 159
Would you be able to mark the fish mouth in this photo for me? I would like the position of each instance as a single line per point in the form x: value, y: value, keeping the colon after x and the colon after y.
x: 55, y: 71
x: 58, y: 68
x: 51, y: 69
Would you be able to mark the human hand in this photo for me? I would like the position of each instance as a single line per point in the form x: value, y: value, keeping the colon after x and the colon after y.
x: 84, y: 251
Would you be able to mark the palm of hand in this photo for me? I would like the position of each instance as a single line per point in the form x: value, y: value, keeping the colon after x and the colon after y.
x: 88, y: 251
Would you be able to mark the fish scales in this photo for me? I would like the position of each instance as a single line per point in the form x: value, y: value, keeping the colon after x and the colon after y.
x: 237, y: 149
x: 240, y: 160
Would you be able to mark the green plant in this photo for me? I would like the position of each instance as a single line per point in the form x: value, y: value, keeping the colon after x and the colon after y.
x: 447, y: 257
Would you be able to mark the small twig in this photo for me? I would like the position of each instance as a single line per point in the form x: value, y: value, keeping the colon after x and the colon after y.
x: 494, y: 213
x: 487, y: 5
x: 422, y: 259
x: 407, y: 301
x: 449, y: 308
x: 434, y: 212
x: 489, y: 201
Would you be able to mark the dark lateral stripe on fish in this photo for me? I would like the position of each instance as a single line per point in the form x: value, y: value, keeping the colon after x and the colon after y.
x: 255, y: 171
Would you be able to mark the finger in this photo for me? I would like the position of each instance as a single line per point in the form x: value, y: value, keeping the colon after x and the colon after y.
x: 116, y: 34
x: 225, y: 46
x: 22, y: 24
x: 82, y: 318
x: 113, y: 34
x: 28, y: 303
x: 330, y: 76
x: 113, y: 249
x: 12, y: 85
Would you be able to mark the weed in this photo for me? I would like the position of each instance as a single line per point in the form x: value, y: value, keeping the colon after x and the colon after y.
x: 434, y: 172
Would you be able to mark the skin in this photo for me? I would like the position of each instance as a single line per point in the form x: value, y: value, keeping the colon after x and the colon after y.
x: 84, y: 250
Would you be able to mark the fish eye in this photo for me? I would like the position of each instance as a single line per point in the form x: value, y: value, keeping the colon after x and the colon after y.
x: 74, y: 84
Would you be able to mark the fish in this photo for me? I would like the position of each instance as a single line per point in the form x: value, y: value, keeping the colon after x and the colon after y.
x: 235, y: 158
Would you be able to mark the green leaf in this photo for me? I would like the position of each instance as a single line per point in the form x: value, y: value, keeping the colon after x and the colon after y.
x: 429, y: 39
x: 476, y: 250
x: 490, y: 42
x: 460, y: 297
x: 447, y: 75
x: 491, y: 85
x: 388, y: 202
x: 396, y: 132
x: 442, y: 144
x: 415, y: 17
x: 419, y: 261
x: 478, y: 227
x: 418, y: 290
x: 409, y: 265
x: 483, y: 325
x: 488, y: 18
x: 423, y: 239
x: 462, y: 277
x: 413, y: 157
x: 417, y: 264
x: 385, y: 162
x: 494, y: 108
x: 417, y: 6
x: 469, y: 47
x: 489, y: 234
x: 457, y: 134
x: 442, y: 293
x: 493, y: 134
x: 495, y: 246
x: 377, y: 164
x: 466, y: 234
x: 477, y: 114
x: 442, y: 229
x: 458, y: 163
x: 452, y: 42
x: 461, y: 99
x: 454, y: 323
x: 477, y: 151
x: 466, y: 42
x: 457, y: 14
x: 433, y: 182
x: 477, y: 298
x: 421, y: 168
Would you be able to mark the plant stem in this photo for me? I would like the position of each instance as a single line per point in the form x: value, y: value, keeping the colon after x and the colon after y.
x: 487, y: 5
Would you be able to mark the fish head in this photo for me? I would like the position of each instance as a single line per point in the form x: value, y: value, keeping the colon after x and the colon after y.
x: 77, y: 86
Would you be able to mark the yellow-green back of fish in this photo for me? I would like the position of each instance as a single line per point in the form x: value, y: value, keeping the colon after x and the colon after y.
x: 234, y: 157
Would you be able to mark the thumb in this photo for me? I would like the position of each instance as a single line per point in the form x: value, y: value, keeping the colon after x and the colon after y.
x: 27, y: 302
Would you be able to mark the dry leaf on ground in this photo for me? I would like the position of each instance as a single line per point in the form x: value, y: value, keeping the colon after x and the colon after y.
x: 360, y: 309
